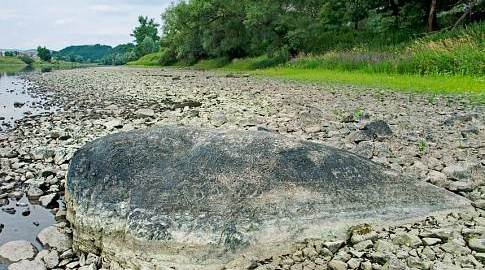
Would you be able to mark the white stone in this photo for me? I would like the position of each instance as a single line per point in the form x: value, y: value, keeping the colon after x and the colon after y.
x: 17, y: 250
x: 47, y: 199
x: 27, y: 265
x: 53, y: 237
x: 145, y: 113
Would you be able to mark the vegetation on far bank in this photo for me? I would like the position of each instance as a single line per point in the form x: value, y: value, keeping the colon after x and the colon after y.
x: 10, y: 60
x: 152, y: 59
x: 450, y: 62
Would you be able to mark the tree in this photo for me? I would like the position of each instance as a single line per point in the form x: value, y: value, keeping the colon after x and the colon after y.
x: 432, y: 16
x: 44, y: 54
x: 26, y: 59
x: 11, y: 53
x: 147, y: 46
x: 198, y: 29
x: 146, y: 28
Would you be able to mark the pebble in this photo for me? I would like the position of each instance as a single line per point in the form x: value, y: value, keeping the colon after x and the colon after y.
x: 477, y: 244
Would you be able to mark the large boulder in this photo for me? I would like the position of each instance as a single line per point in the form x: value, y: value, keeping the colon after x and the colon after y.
x: 196, y: 199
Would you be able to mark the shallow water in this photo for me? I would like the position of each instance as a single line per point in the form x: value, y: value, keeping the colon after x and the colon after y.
x: 16, y: 101
x: 20, y: 219
x: 23, y: 220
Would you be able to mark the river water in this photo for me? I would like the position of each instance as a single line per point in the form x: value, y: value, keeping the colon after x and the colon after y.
x: 20, y: 219
x: 16, y: 101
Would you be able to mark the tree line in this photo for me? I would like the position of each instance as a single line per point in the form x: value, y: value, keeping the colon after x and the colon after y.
x: 199, y: 29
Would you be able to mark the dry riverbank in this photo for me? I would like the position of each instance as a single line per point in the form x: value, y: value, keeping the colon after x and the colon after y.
x: 439, y: 140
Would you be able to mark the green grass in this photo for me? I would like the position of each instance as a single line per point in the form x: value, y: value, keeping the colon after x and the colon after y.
x: 473, y: 87
x: 212, y: 63
x: 152, y: 59
x: 11, y: 60
x: 12, y: 69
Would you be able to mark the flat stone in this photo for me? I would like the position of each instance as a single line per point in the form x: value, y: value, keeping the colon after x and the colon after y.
x: 115, y: 123
x: 407, y: 239
x: 363, y: 245
x: 337, y: 265
x: 186, y: 197
x: 144, y: 113
x: 47, y: 199
x: 437, y: 178
x: 394, y: 264
x: 477, y: 244
x: 51, y: 259
x: 333, y: 246
x: 88, y: 267
x: 17, y: 250
x: 53, y: 237
x: 6, y: 152
x: 429, y: 241
x: 34, y: 192
x: 461, y: 186
x: 480, y: 257
x: 458, y: 171
x: 479, y: 204
x: 27, y: 265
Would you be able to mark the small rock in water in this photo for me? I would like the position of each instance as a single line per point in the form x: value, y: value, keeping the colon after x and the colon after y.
x: 18, y: 104
x: 47, y: 199
x: 9, y: 210
x: 53, y: 237
x: 17, y: 250
x: 34, y: 192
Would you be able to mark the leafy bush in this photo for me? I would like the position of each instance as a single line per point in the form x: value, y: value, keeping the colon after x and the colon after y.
x: 152, y: 59
x: 212, y: 63
x: 458, y: 52
x: 26, y: 59
x: 44, y: 54
x: 167, y: 57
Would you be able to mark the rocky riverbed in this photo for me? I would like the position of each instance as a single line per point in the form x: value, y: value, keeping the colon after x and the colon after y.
x: 432, y: 138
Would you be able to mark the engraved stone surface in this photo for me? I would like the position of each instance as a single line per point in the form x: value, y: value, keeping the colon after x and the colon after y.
x: 199, y: 199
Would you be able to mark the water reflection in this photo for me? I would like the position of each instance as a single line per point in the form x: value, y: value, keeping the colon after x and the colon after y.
x: 17, y: 99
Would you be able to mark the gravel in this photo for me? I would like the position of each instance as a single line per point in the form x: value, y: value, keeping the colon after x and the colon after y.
x: 438, y: 139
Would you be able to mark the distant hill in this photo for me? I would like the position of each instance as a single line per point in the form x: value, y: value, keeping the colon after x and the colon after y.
x: 83, y: 53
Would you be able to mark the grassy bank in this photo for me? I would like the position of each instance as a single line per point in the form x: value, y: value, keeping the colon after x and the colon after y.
x: 152, y: 59
x: 10, y: 60
x: 14, y: 64
x: 474, y: 87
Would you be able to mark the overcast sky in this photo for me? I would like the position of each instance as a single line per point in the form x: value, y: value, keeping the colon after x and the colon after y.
x: 25, y: 24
